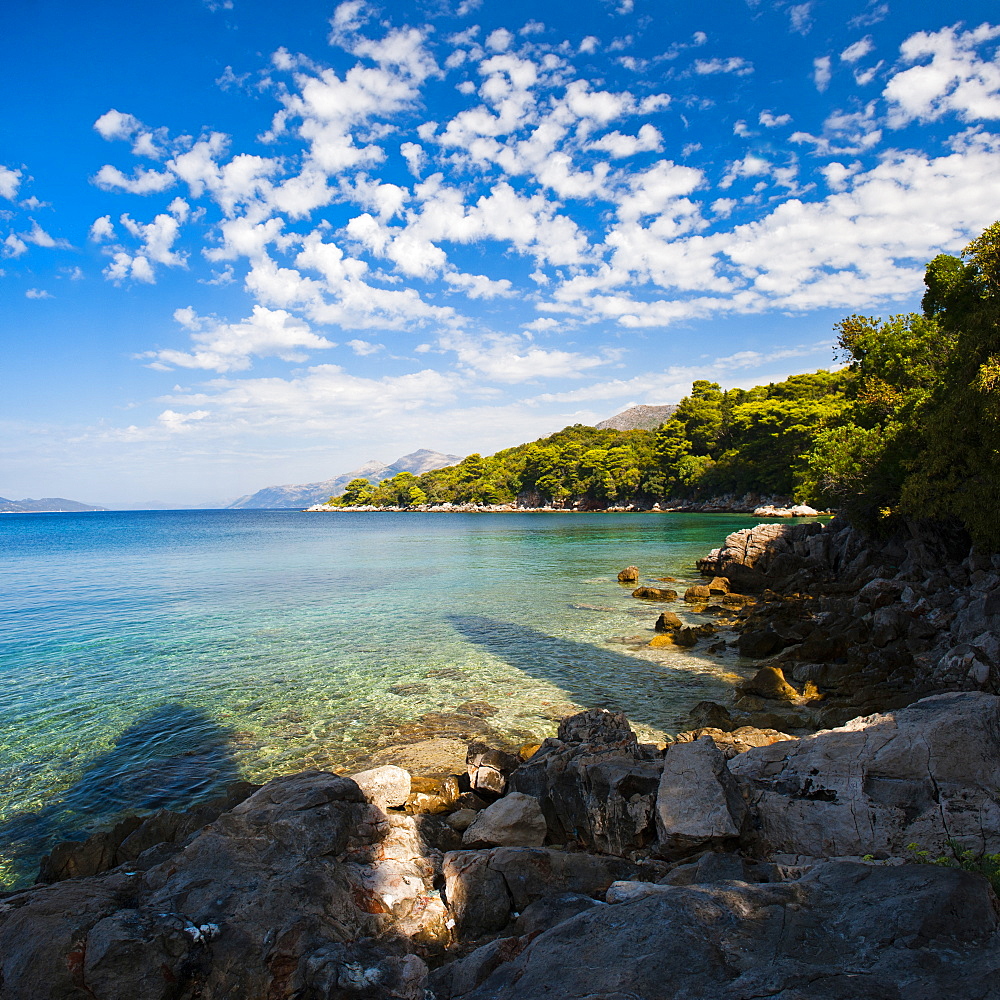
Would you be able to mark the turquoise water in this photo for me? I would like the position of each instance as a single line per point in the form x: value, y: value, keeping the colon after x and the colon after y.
x: 148, y: 658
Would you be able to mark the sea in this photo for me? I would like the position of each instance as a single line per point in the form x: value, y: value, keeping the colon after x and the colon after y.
x: 150, y: 658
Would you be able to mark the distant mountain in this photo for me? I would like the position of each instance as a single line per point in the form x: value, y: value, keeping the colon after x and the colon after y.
x: 638, y: 418
x: 43, y: 506
x: 297, y: 495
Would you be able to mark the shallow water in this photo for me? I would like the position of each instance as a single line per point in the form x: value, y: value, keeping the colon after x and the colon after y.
x: 148, y: 658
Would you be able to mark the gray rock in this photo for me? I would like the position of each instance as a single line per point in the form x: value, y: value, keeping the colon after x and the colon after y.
x: 596, y: 784
x: 925, y: 774
x: 484, y: 889
x: 516, y: 820
x: 698, y: 802
x: 489, y: 769
x: 841, y: 932
x: 284, y: 895
x: 384, y: 786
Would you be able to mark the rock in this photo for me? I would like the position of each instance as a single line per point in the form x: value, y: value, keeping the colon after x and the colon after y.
x: 697, y: 594
x: 769, y: 682
x: 925, y: 774
x: 516, y: 820
x: 686, y: 636
x: 804, y: 510
x: 711, y: 714
x: 718, y: 586
x: 761, y: 643
x: 136, y: 837
x: 438, y: 757
x: 596, y: 784
x: 697, y: 803
x: 655, y: 594
x: 461, y: 819
x: 459, y: 978
x: 551, y: 910
x: 738, y: 740
x: 842, y: 931
x: 296, y: 890
x: 386, y: 786
x: 485, y: 889
x: 630, y: 574
x: 667, y: 621
x: 489, y: 768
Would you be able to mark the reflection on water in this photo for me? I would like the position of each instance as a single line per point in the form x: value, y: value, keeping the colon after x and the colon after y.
x: 148, y: 657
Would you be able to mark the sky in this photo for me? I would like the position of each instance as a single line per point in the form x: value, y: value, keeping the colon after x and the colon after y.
x: 246, y: 243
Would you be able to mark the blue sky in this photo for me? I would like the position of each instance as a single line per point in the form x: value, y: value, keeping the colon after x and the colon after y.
x: 243, y: 247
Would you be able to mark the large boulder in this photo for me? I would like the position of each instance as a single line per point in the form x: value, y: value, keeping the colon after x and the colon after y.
x: 698, y: 803
x: 516, y: 820
x: 754, y: 558
x: 843, y: 931
x: 302, y: 886
x: 486, y: 889
x: 595, y: 782
x: 926, y: 774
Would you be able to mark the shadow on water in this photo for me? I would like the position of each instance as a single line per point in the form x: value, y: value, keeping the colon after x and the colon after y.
x: 651, y: 693
x: 171, y: 758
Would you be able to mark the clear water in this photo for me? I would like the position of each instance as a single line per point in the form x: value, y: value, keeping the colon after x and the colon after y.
x: 149, y: 658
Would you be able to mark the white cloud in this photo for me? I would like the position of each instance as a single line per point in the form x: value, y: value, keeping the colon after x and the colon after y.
x: 769, y: 120
x: 822, y: 73
x: 142, y: 182
x: 10, y: 180
x: 102, y: 229
x: 228, y: 347
x: 736, y: 65
x: 619, y: 146
x: 499, y: 40
x: 857, y: 50
x: 956, y: 80
x: 14, y: 246
x: 115, y: 124
x: 40, y: 238
x: 512, y: 358
x: 589, y: 44
x: 37, y: 293
x: 364, y: 348
x: 478, y: 286
x: 800, y: 18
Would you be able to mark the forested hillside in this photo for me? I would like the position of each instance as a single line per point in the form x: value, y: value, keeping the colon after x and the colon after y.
x: 909, y: 427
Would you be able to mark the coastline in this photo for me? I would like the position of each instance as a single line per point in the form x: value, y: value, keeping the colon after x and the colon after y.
x: 484, y: 883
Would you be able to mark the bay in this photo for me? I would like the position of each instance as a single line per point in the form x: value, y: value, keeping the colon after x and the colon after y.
x: 148, y: 658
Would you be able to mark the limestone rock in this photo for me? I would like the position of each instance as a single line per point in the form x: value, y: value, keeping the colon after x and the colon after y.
x: 667, y: 621
x: 489, y: 769
x: 925, y: 774
x: 842, y: 931
x: 384, y: 786
x: 769, y: 682
x: 596, y: 784
x: 516, y: 820
x: 285, y: 894
x: 697, y: 594
x: 698, y: 802
x: 630, y: 574
x: 485, y: 889
x: 655, y: 594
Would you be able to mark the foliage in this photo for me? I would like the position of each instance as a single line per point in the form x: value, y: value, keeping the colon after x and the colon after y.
x: 910, y: 426
x: 987, y: 865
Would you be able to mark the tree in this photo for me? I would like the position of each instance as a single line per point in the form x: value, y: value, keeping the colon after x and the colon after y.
x: 358, y: 493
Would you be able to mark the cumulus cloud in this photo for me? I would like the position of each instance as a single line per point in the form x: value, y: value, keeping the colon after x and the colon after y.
x: 956, y: 79
x: 513, y: 358
x: 141, y: 182
x: 37, y: 293
x: 857, y: 50
x: 10, y: 180
x: 228, y: 347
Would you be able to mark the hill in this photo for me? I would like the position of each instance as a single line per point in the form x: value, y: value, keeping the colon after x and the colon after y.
x: 638, y: 418
x: 44, y: 506
x: 297, y: 495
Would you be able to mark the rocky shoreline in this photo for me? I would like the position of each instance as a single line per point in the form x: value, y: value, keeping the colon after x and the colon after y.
x: 738, y: 862
x: 748, y: 503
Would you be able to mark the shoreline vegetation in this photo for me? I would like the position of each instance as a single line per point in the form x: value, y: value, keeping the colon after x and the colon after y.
x: 773, y: 849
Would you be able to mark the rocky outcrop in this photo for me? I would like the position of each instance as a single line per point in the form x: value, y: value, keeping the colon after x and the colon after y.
x: 840, y: 932
x: 596, y: 783
x: 870, y: 625
x: 926, y: 774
